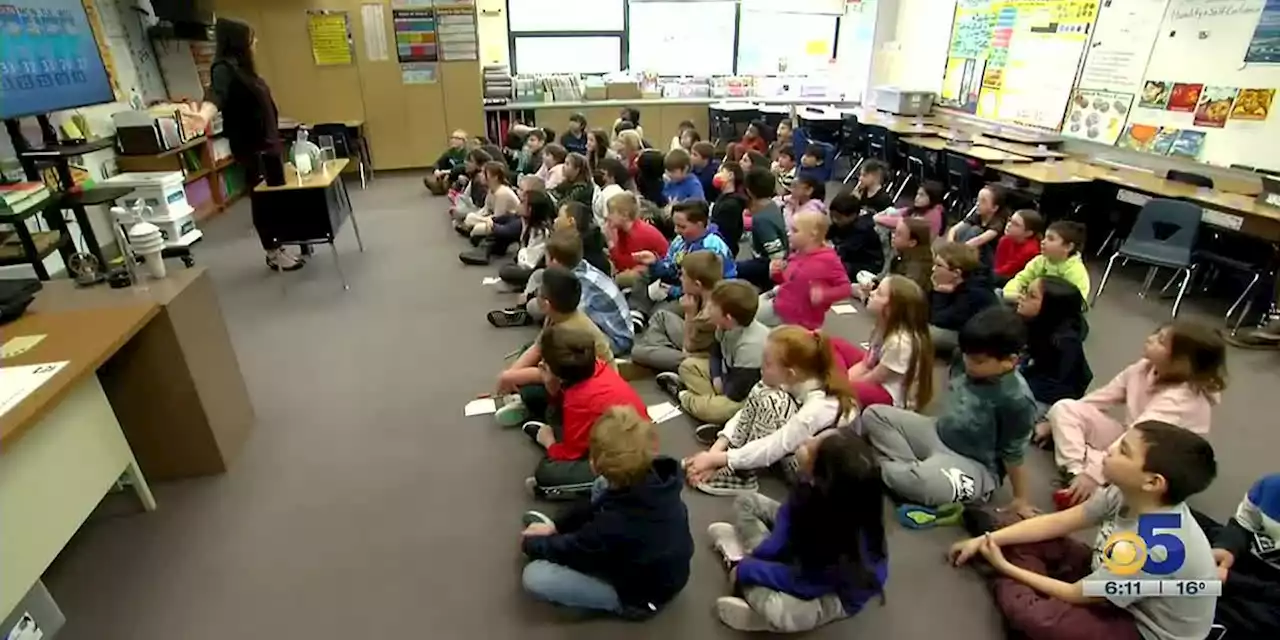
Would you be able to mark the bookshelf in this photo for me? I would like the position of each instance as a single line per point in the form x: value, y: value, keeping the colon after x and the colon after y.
x: 211, y: 178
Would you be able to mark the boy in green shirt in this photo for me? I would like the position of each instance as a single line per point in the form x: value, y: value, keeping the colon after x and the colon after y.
x: 438, y: 181
x: 1059, y: 256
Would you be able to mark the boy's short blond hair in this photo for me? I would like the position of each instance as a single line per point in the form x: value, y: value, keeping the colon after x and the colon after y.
x: 958, y: 256
x: 624, y: 204
x: 622, y: 446
x: 530, y: 182
x: 703, y: 267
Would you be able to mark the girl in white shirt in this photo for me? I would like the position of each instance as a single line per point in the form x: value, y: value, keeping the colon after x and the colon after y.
x: 612, y: 177
x: 897, y: 368
x: 501, y: 202
x: 802, y: 391
x: 552, y: 169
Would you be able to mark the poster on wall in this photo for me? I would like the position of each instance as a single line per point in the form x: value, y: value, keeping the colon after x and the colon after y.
x: 1163, y: 141
x: 1138, y: 137
x: 1265, y: 44
x: 330, y: 37
x: 1097, y: 116
x: 415, y: 35
x: 1253, y: 104
x: 1155, y: 94
x: 1188, y: 145
x: 375, y: 31
x: 1184, y: 97
x: 1122, y: 42
x: 1214, y: 106
x: 456, y: 31
x: 418, y: 72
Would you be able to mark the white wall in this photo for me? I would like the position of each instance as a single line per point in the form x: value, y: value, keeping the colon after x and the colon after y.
x: 916, y: 56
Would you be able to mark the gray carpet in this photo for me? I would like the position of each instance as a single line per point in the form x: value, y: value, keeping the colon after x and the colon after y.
x: 366, y: 506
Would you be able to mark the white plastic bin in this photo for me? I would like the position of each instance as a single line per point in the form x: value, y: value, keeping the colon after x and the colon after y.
x: 162, y: 190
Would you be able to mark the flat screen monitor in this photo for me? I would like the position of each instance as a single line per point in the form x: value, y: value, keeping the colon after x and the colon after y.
x: 49, y: 60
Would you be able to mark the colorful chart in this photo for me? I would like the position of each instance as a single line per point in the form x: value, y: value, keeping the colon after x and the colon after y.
x: 415, y: 35
x: 49, y: 59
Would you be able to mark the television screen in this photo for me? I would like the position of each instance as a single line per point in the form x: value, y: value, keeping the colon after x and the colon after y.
x: 49, y: 60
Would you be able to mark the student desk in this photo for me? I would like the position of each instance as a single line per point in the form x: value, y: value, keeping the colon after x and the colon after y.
x: 61, y: 448
x: 985, y: 154
x: 309, y: 210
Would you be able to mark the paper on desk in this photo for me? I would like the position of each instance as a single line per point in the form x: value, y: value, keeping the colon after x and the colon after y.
x: 662, y: 412
x: 488, y: 281
x: 480, y: 407
x: 18, y: 345
x: 16, y: 383
x: 844, y: 309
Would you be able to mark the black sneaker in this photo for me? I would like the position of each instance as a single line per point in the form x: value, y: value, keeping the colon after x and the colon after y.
x: 462, y: 231
x: 670, y: 384
x: 531, y: 429
x: 707, y: 433
x: 509, y: 317
x: 476, y: 258
x: 536, y: 517
x: 476, y: 240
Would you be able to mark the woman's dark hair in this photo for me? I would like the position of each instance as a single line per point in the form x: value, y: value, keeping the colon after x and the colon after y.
x: 650, y: 167
x: 234, y: 43
x: 1061, y: 314
x: 934, y: 190
x: 614, y: 168
x: 735, y: 170
x: 837, y: 519
x: 579, y: 164
x: 542, y: 212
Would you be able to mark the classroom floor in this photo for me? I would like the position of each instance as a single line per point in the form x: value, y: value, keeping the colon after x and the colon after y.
x: 365, y: 504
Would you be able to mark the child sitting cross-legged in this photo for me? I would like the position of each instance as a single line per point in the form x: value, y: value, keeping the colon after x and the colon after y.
x: 808, y: 194
x: 628, y: 234
x: 811, y: 162
x: 979, y: 435
x: 1039, y: 574
x: 960, y: 290
x: 537, y: 211
x: 613, y: 178
x: 809, y: 281
x: 927, y: 205
x: 768, y: 229
x: 853, y: 234
x: 501, y: 204
x: 819, y: 557
x: 552, y: 169
x: 1055, y: 366
x: 784, y: 168
x: 1179, y: 378
x: 802, y: 392
x: 577, y: 184
x: 661, y: 281
x: 1018, y: 246
x: 680, y: 184
x: 447, y: 165
x: 870, y: 188
x: 703, y: 163
x: 468, y: 192
x: 897, y: 367
x: 577, y: 388
x: 712, y: 389
x: 1059, y: 256
x: 1247, y: 551
x: 982, y: 228
x: 678, y: 332
x: 625, y: 551
x: 911, y: 257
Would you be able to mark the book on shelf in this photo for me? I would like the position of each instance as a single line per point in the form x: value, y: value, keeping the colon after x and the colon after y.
x: 18, y: 197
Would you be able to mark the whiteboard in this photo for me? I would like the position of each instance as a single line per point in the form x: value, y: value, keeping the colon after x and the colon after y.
x: 568, y: 54
x: 662, y: 45
x: 771, y: 43
x: 565, y: 15
x: 828, y: 7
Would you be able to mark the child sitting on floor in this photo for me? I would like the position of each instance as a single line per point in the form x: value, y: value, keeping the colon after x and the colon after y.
x: 753, y: 139
x: 501, y: 204
x: 784, y: 136
x: 661, y: 282
x: 678, y: 332
x: 784, y: 169
x: 1040, y: 574
x: 1248, y: 557
x: 702, y: 163
x: 1059, y: 256
x: 897, y: 368
x: 628, y: 234
x: 712, y: 389
x: 960, y: 290
x: 854, y: 236
x: 572, y: 214
x: 802, y: 364
x: 819, y: 557
x: 530, y: 159
x: 979, y: 434
x: 809, y: 281
x: 870, y: 189
x: 539, y: 213
x: 577, y: 184
x: 807, y: 195
x: 612, y: 177
x: 729, y: 211
x: 927, y: 205
x: 580, y: 387
x: 437, y: 182
x: 470, y: 188
x: 627, y: 550
x: 983, y: 227
x: 575, y: 139
x: 1055, y: 366
x: 768, y: 229
x: 1180, y: 377
x: 911, y: 257
x: 552, y: 169
x: 680, y: 184
x: 811, y: 162
x: 686, y: 136
x: 1019, y: 244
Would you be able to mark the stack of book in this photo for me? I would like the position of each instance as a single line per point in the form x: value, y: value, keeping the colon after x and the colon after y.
x: 20, y: 196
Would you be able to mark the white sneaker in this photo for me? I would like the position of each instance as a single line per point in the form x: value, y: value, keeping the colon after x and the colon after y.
x: 725, y: 540
x: 737, y: 614
x: 511, y: 411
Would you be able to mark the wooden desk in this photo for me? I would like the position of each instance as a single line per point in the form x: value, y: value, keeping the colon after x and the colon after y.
x: 61, y: 448
x: 986, y: 154
x: 930, y: 143
x: 203, y: 417
x: 1024, y: 138
x: 307, y: 210
x: 357, y: 137
x: 1042, y: 173
x: 1030, y: 151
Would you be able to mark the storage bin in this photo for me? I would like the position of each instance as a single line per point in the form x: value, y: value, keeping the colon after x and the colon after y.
x: 162, y: 190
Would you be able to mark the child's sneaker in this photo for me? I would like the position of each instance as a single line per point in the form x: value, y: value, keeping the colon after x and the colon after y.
x: 511, y: 411
x: 535, y: 517
x: 670, y: 384
x: 735, y: 613
x: 729, y: 483
x: 707, y: 433
x: 509, y: 317
x: 531, y: 429
x: 725, y: 540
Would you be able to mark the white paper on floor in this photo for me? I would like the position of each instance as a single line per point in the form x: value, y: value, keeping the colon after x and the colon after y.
x: 490, y: 280
x: 844, y: 309
x: 480, y: 407
x: 662, y: 412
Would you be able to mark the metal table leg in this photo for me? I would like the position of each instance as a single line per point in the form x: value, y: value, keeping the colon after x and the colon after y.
x: 337, y: 262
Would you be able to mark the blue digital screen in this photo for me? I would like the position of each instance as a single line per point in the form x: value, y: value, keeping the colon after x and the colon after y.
x: 48, y: 58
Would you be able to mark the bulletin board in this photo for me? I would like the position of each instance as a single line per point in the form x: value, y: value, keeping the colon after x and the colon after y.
x: 1016, y: 60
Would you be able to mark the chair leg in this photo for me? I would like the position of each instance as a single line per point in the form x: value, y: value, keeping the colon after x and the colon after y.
x: 1182, y: 291
x: 852, y: 171
x: 1107, y: 242
x: 1172, y: 279
x: 1105, y: 274
x: 902, y: 187
x: 1146, y: 282
x: 1243, y: 296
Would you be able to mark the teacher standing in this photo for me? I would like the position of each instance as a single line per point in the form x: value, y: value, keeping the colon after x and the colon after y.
x: 249, y: 118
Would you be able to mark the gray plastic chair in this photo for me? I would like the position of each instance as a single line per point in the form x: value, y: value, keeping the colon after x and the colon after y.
x: 1164, y: 235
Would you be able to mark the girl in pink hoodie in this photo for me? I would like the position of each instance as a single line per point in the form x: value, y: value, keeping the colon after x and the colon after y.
x: 809, y: 281
x: 1178, y: 380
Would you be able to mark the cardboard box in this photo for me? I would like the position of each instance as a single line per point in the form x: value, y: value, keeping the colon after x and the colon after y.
x: 595, y: 93
x: 623, y: 91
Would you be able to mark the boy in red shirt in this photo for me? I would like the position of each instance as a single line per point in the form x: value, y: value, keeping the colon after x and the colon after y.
x: 1019, y: 244
x: 628, y: 234
x: 586, y: 387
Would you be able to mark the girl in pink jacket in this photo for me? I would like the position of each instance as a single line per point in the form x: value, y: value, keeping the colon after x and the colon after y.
x: 810, y: 280
x: 1178, y: 380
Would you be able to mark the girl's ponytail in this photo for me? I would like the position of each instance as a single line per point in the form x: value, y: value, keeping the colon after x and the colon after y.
x: 835, y: 381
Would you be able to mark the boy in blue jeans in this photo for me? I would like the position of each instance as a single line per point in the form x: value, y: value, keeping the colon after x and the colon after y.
x: 627, y: 550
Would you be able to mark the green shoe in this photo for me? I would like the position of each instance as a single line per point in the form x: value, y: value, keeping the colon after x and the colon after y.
x: 512, y: 413
x: 914, y: 516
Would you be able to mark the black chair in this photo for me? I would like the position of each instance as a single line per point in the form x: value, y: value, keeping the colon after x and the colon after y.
x: 728, y: 125
x: 1187, y: 177
x: 851, y: 141
x: 343, y: 145
x: 959, y: 180
x: 1164, y: 235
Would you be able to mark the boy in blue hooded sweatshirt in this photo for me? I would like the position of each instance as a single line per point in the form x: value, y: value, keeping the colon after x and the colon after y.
x: 661, y: 283
x: 681, y: 183
x: 1247, y: 552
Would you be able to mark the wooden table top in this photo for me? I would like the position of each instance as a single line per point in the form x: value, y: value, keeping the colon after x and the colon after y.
x: 931, y: 143
x: 986, y: 154
x: 290, y: 123
x: 317, y: 180
x: 63, y: 294
x: 1024, y: 138
x: 1040, y: 172
x: 1028, y: 150
x: 84, y: 338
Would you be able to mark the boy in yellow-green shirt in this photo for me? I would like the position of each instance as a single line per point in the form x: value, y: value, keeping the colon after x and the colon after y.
x: 1059, y: 256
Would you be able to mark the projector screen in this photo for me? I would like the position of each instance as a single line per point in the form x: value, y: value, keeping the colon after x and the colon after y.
x: 49, y: 60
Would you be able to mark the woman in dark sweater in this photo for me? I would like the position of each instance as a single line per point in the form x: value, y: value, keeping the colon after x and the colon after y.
x: 249, y: 118
x: 1055, y: 366
x: 729, y: 207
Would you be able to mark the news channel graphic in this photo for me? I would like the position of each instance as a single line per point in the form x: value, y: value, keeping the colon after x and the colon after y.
x: 1129, y: 553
